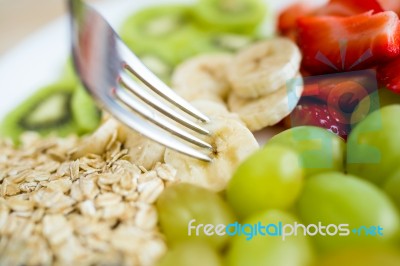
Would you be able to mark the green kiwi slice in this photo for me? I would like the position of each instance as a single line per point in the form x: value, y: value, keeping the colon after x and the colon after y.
x: 230, y: 15
x: 162, y: 25
x: 84, y: 111
x: 46, y: 111
x: 169, y: 32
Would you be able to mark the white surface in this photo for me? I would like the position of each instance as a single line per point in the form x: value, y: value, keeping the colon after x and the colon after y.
x: 39, y: 59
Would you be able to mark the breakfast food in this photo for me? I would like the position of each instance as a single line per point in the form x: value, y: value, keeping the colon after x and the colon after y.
x: 319, y: 150
x: 236, y: 15
x: 270, y: 250
x: 264, y: 67
x: 84, y: 111
x: 203, y: 77
x: 182, y: 203
x: 373, y: 146
x: 114, y: 197
x: 48, y: 110
x: 232, y: 143
x: 275, y: 185
x: 334, y: 198
x: 92, y: 210
x: 267, y: 110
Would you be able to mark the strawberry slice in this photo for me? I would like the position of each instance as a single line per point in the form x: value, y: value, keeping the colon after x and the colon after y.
x: 311, y: 112
x: 349, y: 7
x: 337, y: 44
x: 388, y: 74
x: 342, y: 90
x: 287, y: 21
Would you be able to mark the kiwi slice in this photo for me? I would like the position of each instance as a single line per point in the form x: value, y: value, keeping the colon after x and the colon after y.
x: 230, y: 15
x: 46, y: 111
x: 84, y: 111
x: 227, y: 41
x: 161, y: 25
x: 165, y: 31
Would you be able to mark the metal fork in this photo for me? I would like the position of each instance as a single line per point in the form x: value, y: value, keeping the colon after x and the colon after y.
x: 105, y: 66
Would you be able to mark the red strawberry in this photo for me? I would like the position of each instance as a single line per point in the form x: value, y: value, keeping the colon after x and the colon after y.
x: 342, y: 90
x: 311, y: 112
x: 288, y: 18
x: 389, y: 75
x: 349, y: 7
x: 336, y: 44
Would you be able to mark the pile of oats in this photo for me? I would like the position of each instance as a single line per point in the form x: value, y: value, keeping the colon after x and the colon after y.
x: 60, y: 207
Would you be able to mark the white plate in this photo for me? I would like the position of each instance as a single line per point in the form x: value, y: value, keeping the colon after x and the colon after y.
x: 39, y: 59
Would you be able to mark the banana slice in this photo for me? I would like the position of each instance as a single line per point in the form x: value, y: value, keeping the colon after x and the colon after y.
x: 264, y: 67
x: 232, y: 141
x: 267, y: 110
x: 203, y: 77
x: 142, y: 150
x: 216, y: 110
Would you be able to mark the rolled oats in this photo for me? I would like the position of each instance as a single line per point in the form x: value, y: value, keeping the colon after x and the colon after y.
x: 64, y: 203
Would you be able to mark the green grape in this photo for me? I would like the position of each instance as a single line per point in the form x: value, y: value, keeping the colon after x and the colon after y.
x: 269, y: 178
x: 193, y: 253
x: 392, y: 187
x: 373, y: 147
x: 179, y: 204
x: 334, y: 198
x: 267, y: 249
x: 319, y: 150
x: 375, y: 256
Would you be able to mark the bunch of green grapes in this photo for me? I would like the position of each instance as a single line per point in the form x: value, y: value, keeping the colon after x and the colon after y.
x: 305, y: 175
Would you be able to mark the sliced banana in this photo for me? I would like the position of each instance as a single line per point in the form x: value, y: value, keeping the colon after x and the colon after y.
x: 232, y: 141
x: 267, y: 110
x: 214, y: 109
x: 203, y: 77
x: 264, y: 67
x: 142, y: 150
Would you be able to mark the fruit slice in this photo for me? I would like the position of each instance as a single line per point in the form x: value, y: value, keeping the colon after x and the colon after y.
x: 319, y: 150
x: 156, y: 23
x: 182, y: 207
x: 230, y: 15
x: 269, y: 249
x: 46, y: 111
x: 336, y: 44
x: 165, y: 29
x: 388, y: 75
x: 373, y: 147
x: 335, y: 199
x: 264, y: 67
x: 344, y: 91
x: 287, y: 22
x: 311, y: 112
x: 267, y: 110
x: 84, y: 111
x: 270, y: 178
x: 349, y: 7
x: 232, y: 143
x: 227, y: 41
x: 203, y: 77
